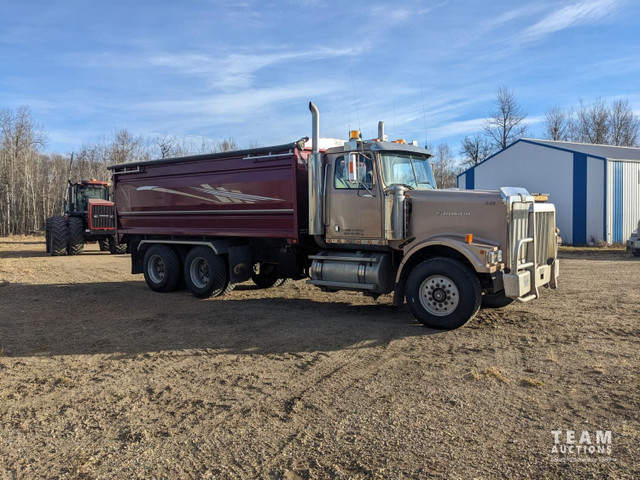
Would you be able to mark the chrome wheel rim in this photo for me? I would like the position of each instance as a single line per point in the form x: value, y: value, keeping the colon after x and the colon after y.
x: 156, y: 268
x: 439, y: 295
x: 199, y: 272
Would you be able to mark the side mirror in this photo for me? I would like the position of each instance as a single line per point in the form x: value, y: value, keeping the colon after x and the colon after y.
x: 352, y: 171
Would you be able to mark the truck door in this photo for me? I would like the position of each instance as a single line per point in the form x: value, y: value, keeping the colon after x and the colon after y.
x: 354, y: 208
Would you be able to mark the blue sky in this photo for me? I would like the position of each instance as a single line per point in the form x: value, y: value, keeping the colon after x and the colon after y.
x: 247, y: 69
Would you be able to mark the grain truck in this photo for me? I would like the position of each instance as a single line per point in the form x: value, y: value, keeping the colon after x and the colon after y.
x: 362, y: 216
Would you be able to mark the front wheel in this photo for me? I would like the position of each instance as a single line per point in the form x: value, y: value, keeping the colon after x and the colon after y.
x: 75, y: 242
x: 205, y: 273
x: 161, y: 267
x: 636, y: 252
x: 47, y: 234
x: 268, y: 276
x: 58, y: 236
x: 442, y: 293
x: 496, y: 300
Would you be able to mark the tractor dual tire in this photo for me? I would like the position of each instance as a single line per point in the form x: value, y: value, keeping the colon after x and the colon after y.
x: 443, y: 293
x: 58, y: 236
x: 75, y: 243
x: 116, y: 248
x: 47, y: 234
x: 161, y: 268
x: 103, y: 243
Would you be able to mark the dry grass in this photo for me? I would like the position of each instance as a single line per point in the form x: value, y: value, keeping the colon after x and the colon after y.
x: 493, y: 372
x: 531, y: 382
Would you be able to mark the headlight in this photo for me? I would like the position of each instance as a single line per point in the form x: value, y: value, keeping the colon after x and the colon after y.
x: 494, y: 256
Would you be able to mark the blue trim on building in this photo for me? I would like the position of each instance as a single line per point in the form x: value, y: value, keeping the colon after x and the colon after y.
x: 605, y: 195
x: 579, y: 199
x: 618, y: 201
x: 470, y: 179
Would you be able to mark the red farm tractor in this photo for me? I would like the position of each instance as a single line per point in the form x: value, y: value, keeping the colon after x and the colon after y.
x: 89, y: 216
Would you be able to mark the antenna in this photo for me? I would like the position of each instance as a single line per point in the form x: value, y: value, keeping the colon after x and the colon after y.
x: 424, y: 114
x: 355, y: 96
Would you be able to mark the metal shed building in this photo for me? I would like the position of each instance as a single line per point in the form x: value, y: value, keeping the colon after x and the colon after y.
x: 596, y: 188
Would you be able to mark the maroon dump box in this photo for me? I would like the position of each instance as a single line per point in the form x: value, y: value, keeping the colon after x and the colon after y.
x: 260, y: 192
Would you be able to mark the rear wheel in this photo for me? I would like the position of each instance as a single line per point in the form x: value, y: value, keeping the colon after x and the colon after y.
x: 161, y: 267
x: 116, y: 248
x: 443, y: 293
x: 75, y: 244
x: 268, y: 276
x: 496, y: 300
x: 58, y: 236
x: 47, y: 234
x: 206, y: 273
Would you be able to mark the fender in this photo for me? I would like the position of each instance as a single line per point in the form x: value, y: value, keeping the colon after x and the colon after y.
x: 471, y: 251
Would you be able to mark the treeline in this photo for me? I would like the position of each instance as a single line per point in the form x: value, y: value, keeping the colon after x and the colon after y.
x: 33, y: 183
x: 598, y: 123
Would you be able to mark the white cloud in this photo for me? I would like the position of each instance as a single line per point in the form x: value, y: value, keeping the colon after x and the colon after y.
x: 577, y: 14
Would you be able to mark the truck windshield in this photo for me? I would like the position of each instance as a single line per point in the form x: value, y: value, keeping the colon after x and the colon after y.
x: 408, y: 169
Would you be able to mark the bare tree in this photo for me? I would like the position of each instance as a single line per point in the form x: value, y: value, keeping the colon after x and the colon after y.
x: 623, y: 124
x: 558, y: 124
x: 505, y: 124
x: 167, y: 145
x: 444, y: 167
x: 475, y: 149
x: 592, y: 123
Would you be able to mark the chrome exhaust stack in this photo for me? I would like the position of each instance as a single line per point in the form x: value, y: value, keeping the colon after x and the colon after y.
x: 314, y: 169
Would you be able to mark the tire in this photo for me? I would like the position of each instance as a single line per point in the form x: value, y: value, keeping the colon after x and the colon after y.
x: 636, y: 252
x: 75, y: 243
x: 283, y: 281
x: 58, y: 236
x: 268, y: 276
x: 116, y: 248
x: 496, y: 300
x: 442, y: 293
x: 47, y: 234
x: 206, y: 273
x: 104, y: 244
x: 161, y: 267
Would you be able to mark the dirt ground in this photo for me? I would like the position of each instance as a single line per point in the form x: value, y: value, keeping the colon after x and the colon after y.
x: 102, y: 378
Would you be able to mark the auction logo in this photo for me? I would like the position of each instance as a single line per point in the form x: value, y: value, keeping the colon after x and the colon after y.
x: 585, y: 446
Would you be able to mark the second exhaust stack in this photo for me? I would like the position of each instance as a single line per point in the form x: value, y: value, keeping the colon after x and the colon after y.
x: 314, y: 169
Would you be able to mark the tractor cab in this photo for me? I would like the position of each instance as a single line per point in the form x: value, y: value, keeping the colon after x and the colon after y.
x: 81, y: 192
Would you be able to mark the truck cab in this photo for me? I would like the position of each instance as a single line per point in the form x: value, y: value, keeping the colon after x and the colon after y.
x: 448, y: 251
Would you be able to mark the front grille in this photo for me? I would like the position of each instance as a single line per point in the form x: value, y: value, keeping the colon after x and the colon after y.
x: 102, y: 217
x: 545, y: 233
x: 519, y: 229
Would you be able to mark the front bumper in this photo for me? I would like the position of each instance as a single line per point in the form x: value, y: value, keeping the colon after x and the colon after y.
x: 519, y: 285
x: 633, y: 244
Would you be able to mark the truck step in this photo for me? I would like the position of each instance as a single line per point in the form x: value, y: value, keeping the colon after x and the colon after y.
x: 343, y: 285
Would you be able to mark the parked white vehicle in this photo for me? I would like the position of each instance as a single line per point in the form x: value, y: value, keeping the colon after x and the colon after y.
x: 633, y: 244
